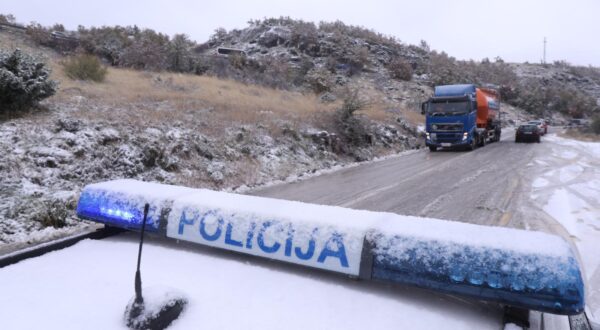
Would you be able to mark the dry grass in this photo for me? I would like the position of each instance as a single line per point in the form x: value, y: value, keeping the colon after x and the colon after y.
x: 153, y: 97
x: 377, y: 106
x: 578, y: 134
x: 11, y: 40
x: 414, y: 118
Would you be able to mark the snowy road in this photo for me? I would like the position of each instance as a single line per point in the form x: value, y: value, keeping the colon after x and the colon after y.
x: 483, y: 187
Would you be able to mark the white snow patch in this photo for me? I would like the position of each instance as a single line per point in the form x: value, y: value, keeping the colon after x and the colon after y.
x: 570, y: 172
x: 568, y: 154
x: 540, y: 182
x: 50, y: 152
x: 559, y: 207
x: 30, y: 188
x: 590, y: 189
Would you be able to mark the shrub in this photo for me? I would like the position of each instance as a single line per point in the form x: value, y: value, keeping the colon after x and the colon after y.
x: 400, y: 69
x: 305, y: 37
x: 85, y: 67
x: 596, y: 125
x: 52, y: 213
x: 238, y: 61
x: 9, y: 18
x: 350, y: 128
x: 24, y: 81
x: 319, y: 80
x: 147, y: 50
x: 357, y: 60
x: 40, y: 34
x: 352, y: 103
x: 179, y: 54
x: 276, y: 73
x: 107, y: 42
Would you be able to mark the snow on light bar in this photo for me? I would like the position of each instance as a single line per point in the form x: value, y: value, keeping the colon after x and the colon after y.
x: 520, y: 268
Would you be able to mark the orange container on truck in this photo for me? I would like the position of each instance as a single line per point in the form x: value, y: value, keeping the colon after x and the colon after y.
x: 462, y: 116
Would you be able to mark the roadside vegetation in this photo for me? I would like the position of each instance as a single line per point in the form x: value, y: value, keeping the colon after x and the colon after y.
x: 24, y: 81
x: 84, y: 67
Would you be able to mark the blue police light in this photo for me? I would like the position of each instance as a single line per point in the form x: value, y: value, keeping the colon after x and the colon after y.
x: 116, y: 210
x: 526, y: 280
x: 548, y: 280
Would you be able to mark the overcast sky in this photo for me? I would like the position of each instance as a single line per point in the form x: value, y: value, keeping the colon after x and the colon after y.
x: 466, y: 29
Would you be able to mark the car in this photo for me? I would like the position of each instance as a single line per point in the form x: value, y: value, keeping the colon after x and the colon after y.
x: 545, y: 125
x: 541, y: 125
x: 577, y: 123
x: 528, y: 133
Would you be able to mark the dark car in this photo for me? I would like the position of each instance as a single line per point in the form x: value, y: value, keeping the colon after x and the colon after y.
x: 528, y: 133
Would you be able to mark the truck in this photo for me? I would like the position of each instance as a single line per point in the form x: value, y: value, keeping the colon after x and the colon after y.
x: 462, y: 116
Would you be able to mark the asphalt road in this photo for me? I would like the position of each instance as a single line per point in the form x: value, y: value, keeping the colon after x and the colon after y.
x: 488, y: 186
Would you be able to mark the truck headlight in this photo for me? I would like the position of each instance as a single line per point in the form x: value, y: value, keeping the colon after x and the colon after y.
x: 465, y: 136
x: 427, y: 135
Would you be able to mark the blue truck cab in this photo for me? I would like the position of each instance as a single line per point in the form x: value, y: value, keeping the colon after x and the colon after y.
x: 451, y: 118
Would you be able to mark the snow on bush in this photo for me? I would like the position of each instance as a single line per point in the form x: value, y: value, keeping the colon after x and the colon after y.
x: 24, y: 81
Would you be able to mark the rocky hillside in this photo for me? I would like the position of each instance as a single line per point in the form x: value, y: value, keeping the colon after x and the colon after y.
x: 560, y: 87
x: 326, y: 57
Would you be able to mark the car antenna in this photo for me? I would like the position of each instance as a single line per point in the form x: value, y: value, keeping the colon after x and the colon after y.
x: 136, y: 315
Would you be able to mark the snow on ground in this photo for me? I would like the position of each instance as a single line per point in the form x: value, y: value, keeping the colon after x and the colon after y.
x: 568, y: 189
x: 224, y: 291
x: 540, y: 182
x: 49, y: 158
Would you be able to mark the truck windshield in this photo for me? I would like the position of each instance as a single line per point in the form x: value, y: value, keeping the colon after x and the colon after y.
x: 447, y: 108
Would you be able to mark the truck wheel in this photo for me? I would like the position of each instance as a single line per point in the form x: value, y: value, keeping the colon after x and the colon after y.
x: 473, y: 144
x: 482, y: 142
x: 432, y: 148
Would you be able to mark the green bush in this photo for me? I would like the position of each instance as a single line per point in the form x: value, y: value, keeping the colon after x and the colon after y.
x: 351, y: 129
x: 24, y: 81
x: 85, y: 67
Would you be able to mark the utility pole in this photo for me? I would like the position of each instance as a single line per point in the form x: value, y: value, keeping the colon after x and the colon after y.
x: 544, y: 60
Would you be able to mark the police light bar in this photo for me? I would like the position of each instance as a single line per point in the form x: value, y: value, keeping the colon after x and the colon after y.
x: 521, y: 268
